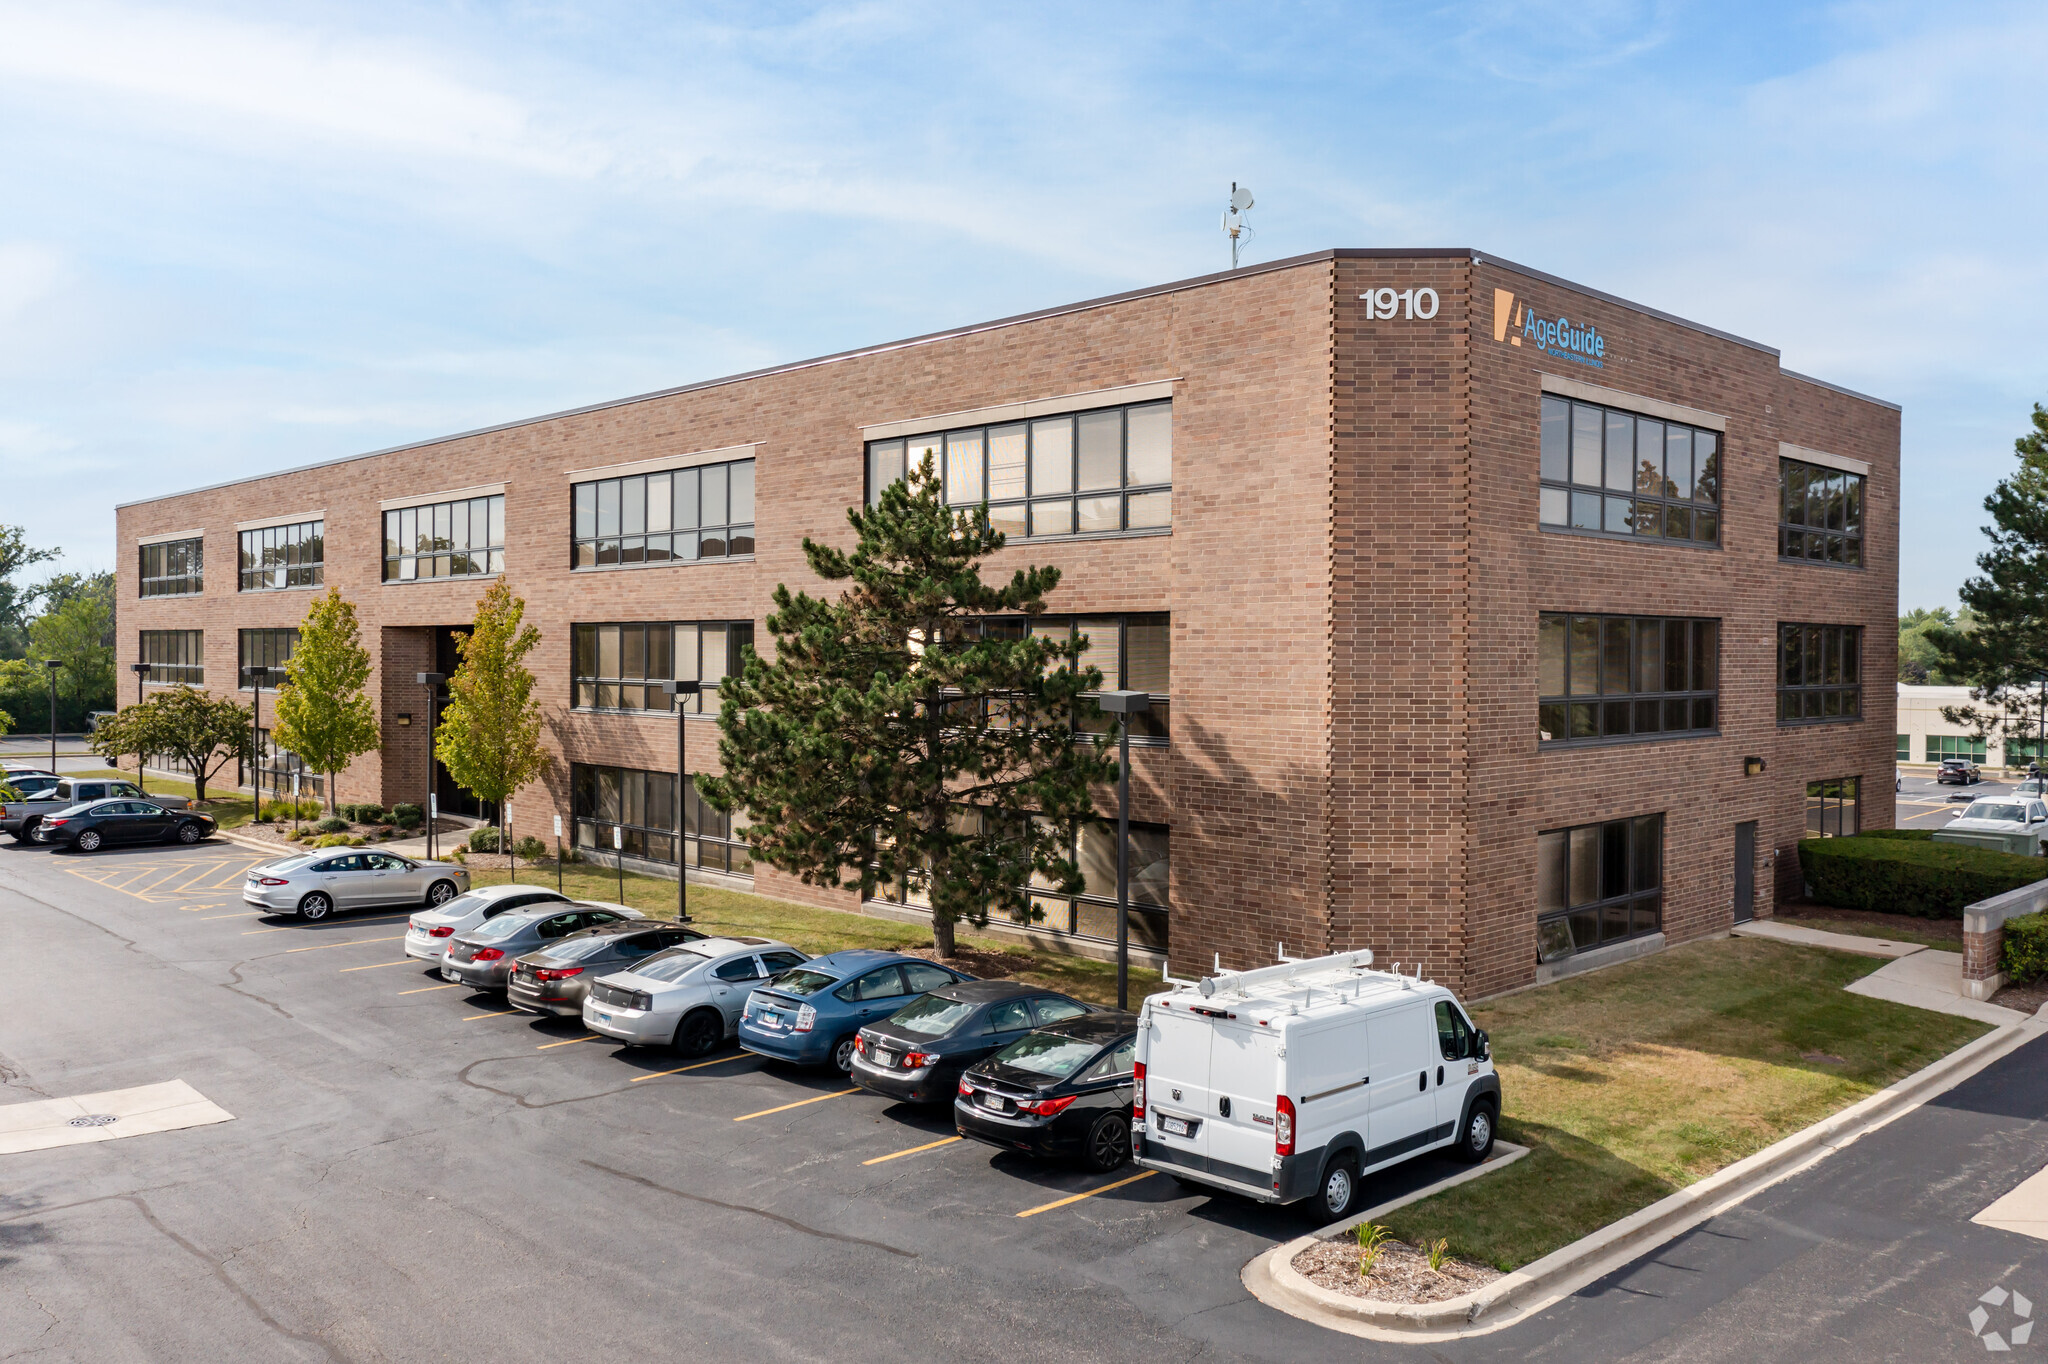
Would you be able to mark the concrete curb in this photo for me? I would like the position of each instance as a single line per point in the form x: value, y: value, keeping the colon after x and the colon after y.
x: 1272, y: 1278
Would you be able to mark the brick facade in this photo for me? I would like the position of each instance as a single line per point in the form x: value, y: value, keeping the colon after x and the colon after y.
x: 1353, y: 575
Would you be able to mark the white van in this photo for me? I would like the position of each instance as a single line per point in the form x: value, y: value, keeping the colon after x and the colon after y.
x: 1294, y: 1081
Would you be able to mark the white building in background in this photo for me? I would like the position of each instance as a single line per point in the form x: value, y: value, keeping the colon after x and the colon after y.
x: 1926, y: 737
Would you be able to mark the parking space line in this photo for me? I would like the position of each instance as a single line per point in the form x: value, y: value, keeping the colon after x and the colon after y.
x: 798, y: 1104
x: 352, y: 942
x: 377, y: 965
x: 424, y: 988
x: 568, y: 1042
x: 471, y: 1018
x: 928, y: 1146
x: 285, y: 928
x: 1076, y: 1198
x: 736, y: 1056
x: 251, y: 914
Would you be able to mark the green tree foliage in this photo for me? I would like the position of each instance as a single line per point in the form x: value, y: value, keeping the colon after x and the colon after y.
x: 1920, y: 662
x: 322, y: 713
x: 489, y: 739
x: 896, y: 739
x: 180, y: 722
x: 16, y: 554
x: 77, y: 629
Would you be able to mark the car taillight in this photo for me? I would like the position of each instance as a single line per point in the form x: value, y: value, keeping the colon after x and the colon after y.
x: 489, y: 954
x: 272, y: 881
x: 1046, y: 1108
x: 53, y: 823
x: 557, y: 972
x: 913, y: 1059
x: 1138, y: 1093
x: 445, y: 931
x: 1283, y: 1125
x: 966, y: 1087
x: 806, y: 1018
x: 860, y: 1043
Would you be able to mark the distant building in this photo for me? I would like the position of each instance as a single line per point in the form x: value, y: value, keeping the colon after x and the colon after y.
x: 1926, y: 736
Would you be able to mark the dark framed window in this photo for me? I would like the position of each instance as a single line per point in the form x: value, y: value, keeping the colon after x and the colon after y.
x: 1598, y: 884
x: 173, y: 568
x: 1941, y: 746
x: 1601, y: 678
x: 622, y: 666
x: 641, y: 805
x: 176, y: 656
x: 1905, y: 753
x: 1820, y: 673
x: 1105, y: 472
x: 265, y: 649
x: 679, y: 516
x: 461, y: 539
x: 1820, y: 514
x: 277, y: 557
x: 1831, y: 808
x: 1133, y: 652
x: 275, y: 768
x: 1609, y: 472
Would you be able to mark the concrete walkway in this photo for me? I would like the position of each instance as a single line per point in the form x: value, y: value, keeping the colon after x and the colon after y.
x: 1837, y: 942
x: 1931, y: 980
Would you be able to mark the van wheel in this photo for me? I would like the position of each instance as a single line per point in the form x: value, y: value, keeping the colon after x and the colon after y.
x: 1109, y: 1143
x: 1340, y: 1188
x: 1475, y: 1142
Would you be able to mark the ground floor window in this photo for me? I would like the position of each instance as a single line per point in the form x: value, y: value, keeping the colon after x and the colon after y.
x: 1831, y: 807
x: 1905, y: 748
x: 1598, y: 884
x: 1941, y: 746
x: 2019, y: 752
x: 641, y: 806
x: 276, y: 767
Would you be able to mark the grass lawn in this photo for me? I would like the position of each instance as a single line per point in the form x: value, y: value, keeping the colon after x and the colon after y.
x: 818, y: 931
x: 1630, y: 1083
x: 1889, y: 932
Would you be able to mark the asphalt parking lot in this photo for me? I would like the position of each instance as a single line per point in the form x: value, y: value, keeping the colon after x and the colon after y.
x: 1923, y: 804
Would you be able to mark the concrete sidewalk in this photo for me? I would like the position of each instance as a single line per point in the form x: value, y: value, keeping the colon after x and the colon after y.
x: 1931, y: 980
x: 1837, y: 942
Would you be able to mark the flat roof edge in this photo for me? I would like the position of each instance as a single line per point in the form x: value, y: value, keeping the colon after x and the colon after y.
x: 1621, y: 302
x: 1837, y: 388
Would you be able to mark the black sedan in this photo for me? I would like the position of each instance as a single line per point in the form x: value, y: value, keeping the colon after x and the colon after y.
x: 555, y: 979
x: 1957, y: 772
x: 919, y: 1052
x: 105, y: 823
x: 1060, y: 1091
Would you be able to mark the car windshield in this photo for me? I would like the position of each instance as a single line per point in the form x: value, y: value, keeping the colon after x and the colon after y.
x: 462, y: 906
x: 671, y: 965
x: 1048, y: 1053
x: 802, y: 982
x: 932, y: 1016
x: 1985, y: 809
x: 504, y: 926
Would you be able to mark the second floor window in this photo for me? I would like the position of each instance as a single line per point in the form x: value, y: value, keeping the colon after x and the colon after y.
x: 1820, y: 514
x: 1134, y: 653
x: 172, y: 568
x: 265, y: 649
x: 1610, y: 472
x: 677, y: 517
x: 445, y: 540
x: 175, y: 656
x: 1623, y: 677
x: 284, y: 556
x: 1820, y: 671
x: 621, y: 667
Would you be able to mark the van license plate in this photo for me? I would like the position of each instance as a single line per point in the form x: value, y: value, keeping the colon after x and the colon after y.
x: 1173, y: 1127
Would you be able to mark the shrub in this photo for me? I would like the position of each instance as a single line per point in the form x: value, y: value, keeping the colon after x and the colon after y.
x: 1903, y: 835
x: 530, y: 848
x: 356, y: 840
x: 1910, y: 876
x: 331, y: 841
x: 408, y: 816
x: 483, y: 840
x: 333, y: 824
x: 363, y: 814
x: 2025, y: 957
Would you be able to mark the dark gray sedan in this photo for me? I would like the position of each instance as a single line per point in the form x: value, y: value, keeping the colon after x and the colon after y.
x: 482, y: 958
x: 555, y: 979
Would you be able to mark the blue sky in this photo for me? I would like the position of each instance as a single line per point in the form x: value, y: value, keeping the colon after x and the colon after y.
x: 237, y: 237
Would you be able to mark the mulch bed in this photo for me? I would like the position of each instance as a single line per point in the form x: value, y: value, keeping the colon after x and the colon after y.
x: 1402, y: 1273
x: 1949, y: 930
x: 989, y: 965
x: 2028, y: 999
x: 371, y: 833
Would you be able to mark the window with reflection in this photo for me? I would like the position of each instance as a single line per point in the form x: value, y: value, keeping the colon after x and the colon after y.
x: 460, y: 539
x: 278, y: 557
x: 1831, y: 808
x: 1820, y: 514
x: 641, y: 805
x: 1598, y: 884
x: 173, y: 568
x: 1602, y: 677
x: 679, y: 516
x: 622, y: 666
x: 175, y: 656
x: 1133, y: 653
x: 265, y: 649
x: 1609, y: 472
x: 1820, y: 672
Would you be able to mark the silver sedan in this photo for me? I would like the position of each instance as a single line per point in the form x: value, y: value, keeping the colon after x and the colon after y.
x: 315, y: 885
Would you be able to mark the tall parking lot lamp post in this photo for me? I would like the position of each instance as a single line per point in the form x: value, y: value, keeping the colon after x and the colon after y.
x: 677, y: 690
x: 1123, y: 704
x: 141, y: 671
x: 53, y: 664
x: 257, y: 676
x: 432, y: 682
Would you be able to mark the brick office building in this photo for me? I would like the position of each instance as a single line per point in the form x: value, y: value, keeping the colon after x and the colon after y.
x: 1497, y: 624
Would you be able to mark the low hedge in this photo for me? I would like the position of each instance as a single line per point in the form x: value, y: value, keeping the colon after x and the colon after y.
x: 2025, y: 956
x: 1918, y: 876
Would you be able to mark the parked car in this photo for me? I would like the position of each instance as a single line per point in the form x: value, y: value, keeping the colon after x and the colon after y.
x: 688, y: 997
x: 555, y: 978
x: 11, y: 768
x: 919, y: 1053
x: 2007, y: 824
x: 2033, y: 788
x: 427, y: 935
x: 20, y: 817
x: 1261, y: 1082
x: 482, y: 958
x: 1065, y: 1090
x: 110, y: 823
x: 28, y: 785
x: 316, y: 884
x: 1957, y: 772
x: 811, y: 1015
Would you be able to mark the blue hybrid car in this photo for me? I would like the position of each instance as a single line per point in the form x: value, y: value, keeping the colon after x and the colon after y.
x: 811, y: 1015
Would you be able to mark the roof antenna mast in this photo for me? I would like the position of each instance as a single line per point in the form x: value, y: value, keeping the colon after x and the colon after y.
x: 1234, y: 226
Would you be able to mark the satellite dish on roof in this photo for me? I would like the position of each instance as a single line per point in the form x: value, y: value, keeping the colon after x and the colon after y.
x: 1234, y: 225
x: 1240, y: 198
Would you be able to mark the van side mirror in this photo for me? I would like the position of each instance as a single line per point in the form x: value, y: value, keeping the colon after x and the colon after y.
x: 1485, y: 1045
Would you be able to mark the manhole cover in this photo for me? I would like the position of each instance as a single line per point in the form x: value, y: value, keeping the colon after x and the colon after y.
x: 94, y: 1120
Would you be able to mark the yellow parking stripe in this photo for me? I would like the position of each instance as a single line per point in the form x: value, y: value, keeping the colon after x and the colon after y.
x: 424, y: 988
x: 928, y: 1146
x: 1076, y: 1198
x: 736, y: 1056
x: 568, y: 1042
x: 252, y: 914
x: 507, y: 1013
x: 798, y: 1104
x: 352, y: 942
x: 377, y: 965
x: 285, y: 929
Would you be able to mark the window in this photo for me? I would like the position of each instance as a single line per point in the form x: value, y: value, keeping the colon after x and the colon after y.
x: 1134, y: 653
x: 678, y: 517
x: 1820, y: 514
x: 621, y: 667
x: 1598, y: 884
x: 886, y: 983
x: 1941, y: 746
x: 740, y: 968
x: 276, y: 767
x: 1906, y: 748
x: 1453, y: 1034
x: 1625, y: 677
x: 923, y: 976
x: 643, y: 806
x: 1820, y: 674
x: 1608, y: 472
x: 172, y: 568
x: 284, y: 556
x: 1012, y: 1015
x: 463, y: 539
x: 265, y: 649
x: 1106, y: 472
x: 1831, y: 808
x: 175, y: 656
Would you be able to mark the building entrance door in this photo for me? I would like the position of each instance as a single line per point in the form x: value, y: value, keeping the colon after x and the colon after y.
x: 452, y: 799
x: 1745, y: 872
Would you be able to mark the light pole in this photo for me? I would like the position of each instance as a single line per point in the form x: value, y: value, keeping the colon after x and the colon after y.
x: 257, y: 675
x: 53, y: 664
x: 1124, y: 704
x: 677, y: 690
x: 432, y: 682
x: 141, y: 671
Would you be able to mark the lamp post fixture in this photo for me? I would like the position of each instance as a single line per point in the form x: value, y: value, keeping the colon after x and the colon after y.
x: 53, y: 664
x: 141, y: 671
x: 432, y: 682
x: 677, y: 690
x: 257, y: 676
x: 1123, y: 704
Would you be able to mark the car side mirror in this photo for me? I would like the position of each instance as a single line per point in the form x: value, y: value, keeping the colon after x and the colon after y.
x: 1485, y: 1045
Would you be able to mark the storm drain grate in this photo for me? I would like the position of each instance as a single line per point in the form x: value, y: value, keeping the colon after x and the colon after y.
x: 94, y: 1120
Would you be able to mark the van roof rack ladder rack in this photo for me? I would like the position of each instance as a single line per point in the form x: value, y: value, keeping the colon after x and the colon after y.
x: 1241, y: 981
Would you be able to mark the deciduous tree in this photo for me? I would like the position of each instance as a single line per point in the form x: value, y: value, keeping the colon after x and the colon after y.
x: 181, y: 722
x: 322, y: 712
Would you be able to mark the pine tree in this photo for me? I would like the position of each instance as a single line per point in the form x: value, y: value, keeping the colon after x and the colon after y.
x: 322, y: 714
x: 903, y: 736
x: 489, y: 739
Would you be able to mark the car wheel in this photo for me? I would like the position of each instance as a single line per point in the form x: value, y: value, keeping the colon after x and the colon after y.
x: 190, y: 833
x: 842, y: 1055
x: 440, y: 893
x: 88, y: 840
x: 27, y: 832
x: 315, y: 907
x: 1109, y: 1143
x: 699, y: 1032
x: 1340, y: 1187
x: 1475, y: 1143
